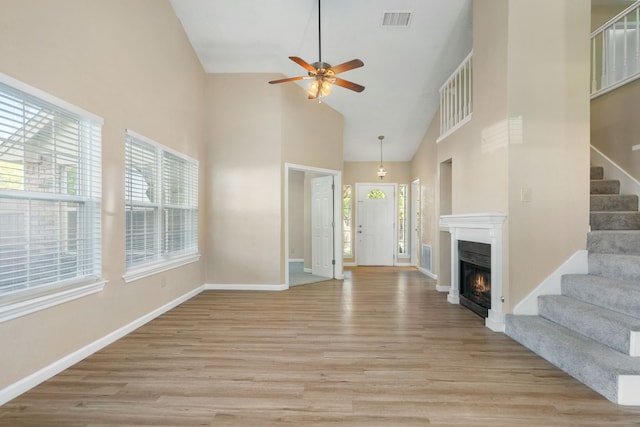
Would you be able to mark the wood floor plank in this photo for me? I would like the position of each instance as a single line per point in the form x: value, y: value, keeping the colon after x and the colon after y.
x: 381, y: 348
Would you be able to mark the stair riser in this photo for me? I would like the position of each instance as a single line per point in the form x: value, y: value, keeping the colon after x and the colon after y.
x: 625, y: 300
x: 568, y: 355
x: 614, y: 220
x: 618, y: 267
x: 614, y: 242
x: 590, y: 321
x: 613, y: 202
x: 597, y: 172
x: 605, y: 187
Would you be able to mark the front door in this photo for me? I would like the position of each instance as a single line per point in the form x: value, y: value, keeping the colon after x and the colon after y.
x: 376, y: 225
x: 322, y: 226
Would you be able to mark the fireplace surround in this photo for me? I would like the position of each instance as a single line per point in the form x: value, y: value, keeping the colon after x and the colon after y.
x: 483, y: 228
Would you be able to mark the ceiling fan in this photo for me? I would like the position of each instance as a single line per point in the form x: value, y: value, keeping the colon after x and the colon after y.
x: 323, y: 75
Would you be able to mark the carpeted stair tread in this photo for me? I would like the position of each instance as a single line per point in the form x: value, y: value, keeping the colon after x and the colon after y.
x: 608, y: 327
x: 613, y: 202
x: 590, y: 362
x: 597, y: 172
x: 611, y: 220
x: 624, y: 242
x: 605, y: 186
x: 614, y: 266
x: 616, y: 295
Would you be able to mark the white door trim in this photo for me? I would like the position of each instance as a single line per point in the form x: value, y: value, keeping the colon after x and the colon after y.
x: 415, y: 239
x: 337, y: 212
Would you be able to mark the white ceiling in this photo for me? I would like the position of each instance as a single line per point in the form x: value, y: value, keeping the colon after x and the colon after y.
x: 403, y: 67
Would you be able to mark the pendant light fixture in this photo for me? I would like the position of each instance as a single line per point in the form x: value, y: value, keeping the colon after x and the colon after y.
x: 381, y: 172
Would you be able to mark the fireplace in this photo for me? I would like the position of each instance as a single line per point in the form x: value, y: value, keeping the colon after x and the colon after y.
x: 475, y: 276
x: 484, y: 228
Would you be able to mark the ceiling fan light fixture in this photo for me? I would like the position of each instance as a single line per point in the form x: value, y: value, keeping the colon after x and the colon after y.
x: 323, y: 75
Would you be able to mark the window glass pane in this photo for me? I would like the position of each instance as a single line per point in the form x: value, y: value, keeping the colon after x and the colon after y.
x: 347, y: 248
x: 50, y: 188
x: 402, y: 220
x: 376, y: 194
x: 161, y: 202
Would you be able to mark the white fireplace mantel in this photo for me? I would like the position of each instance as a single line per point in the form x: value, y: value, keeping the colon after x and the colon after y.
x: 481, y: 228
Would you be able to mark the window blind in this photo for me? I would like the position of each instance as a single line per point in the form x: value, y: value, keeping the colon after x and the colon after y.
x: 50, y: 192
x: 161, y: 190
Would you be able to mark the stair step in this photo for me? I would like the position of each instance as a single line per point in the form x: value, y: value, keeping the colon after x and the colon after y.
x: 616, y: 330
x: 613, y: 266
x: 608, y: 372
x: 617, y: 295
x: 597, y: 172
x: 624, y: 242
x: 613, y: 202
x: 605, y: 186
x: 609, y: 220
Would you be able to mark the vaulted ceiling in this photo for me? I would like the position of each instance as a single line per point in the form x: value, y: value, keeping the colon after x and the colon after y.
x: 404, y: 65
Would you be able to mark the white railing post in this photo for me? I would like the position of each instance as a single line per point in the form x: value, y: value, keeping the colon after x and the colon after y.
x: 456, y: 98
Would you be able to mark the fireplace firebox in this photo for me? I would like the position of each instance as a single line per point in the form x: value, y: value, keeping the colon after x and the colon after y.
x: 475, y: 276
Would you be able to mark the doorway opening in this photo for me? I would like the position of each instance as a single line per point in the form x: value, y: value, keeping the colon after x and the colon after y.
x: 312, y: 235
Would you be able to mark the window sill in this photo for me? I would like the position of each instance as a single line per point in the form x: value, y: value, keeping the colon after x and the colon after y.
x: 147, y: 270
x: 28, y: 302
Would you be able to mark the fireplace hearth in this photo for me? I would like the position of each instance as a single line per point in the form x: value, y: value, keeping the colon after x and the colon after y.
x: 475, y: 276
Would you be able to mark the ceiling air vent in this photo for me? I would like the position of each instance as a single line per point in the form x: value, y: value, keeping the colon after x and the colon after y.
x: 396, y: 19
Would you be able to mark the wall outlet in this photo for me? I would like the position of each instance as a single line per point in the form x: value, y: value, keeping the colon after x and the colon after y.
x: 526, y: 195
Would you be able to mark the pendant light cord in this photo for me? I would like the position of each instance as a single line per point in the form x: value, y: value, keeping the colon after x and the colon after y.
x: 319, y: 36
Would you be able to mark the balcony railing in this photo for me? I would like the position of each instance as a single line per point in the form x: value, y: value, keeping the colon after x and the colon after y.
x: 615, y: 51
x: 456, y: 100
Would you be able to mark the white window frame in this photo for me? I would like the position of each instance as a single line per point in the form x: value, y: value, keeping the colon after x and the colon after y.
x: 32, y: 296
x: 161, y: 259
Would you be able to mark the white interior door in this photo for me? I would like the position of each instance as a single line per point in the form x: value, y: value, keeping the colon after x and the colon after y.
x: 376, y: 225
x: 322, y: 226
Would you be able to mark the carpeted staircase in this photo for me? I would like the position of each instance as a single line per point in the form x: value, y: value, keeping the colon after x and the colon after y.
x: 592, y: 330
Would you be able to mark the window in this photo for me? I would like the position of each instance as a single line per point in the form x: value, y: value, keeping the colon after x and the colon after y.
x: 347, y: 248
x: 403, y: 245
x: 50, y: 194
x: 161, y: 191
x: 376, y: 194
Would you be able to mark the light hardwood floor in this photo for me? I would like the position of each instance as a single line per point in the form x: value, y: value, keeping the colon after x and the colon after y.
x: 381, y: 349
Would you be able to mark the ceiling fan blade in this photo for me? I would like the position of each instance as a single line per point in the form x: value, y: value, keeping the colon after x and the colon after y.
x: 290, y: 79
x: 348, y: 85
x: 304, y: 64
x: 350, y: 65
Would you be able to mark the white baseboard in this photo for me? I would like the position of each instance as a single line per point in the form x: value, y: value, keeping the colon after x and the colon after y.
x: 443, y: 288
x: 428, y: 273
x: 403, y: 264
x: 629, y: 390
x: 296, y: 260
x: 350, y: 264
x: 576, y: 264
x: 30, y: 381
x: 244, y: 287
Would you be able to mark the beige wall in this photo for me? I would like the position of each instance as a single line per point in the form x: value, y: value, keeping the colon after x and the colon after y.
x: 244, y: 116
x: 615, y: 127
x: 296, y: 214
x: 254, y: 129
x: 529, y: 131
x: 130, y: 63
x: 548, y: 87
